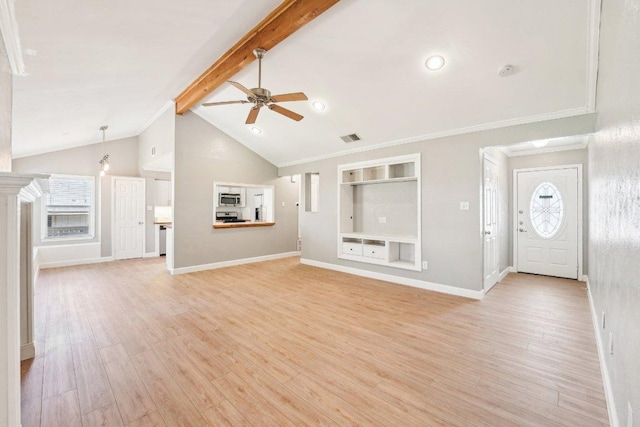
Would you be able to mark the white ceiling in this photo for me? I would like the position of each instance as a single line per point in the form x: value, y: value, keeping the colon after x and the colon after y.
x: 115, y: 62
x: 120, y: 62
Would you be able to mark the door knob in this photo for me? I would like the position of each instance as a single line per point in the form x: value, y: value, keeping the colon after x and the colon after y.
x: 140, y: 222
x: 487, y: 232
x: 522, y: 230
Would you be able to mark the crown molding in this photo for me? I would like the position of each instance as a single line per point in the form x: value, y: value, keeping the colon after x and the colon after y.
x: 9, y: 30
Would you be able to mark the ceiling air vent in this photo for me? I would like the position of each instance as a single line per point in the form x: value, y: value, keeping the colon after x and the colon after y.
x: 350, y: 138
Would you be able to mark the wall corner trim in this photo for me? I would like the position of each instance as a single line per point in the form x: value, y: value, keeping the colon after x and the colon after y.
x: 429, y: 286
x: 608, y: 390
x: 231, y: 263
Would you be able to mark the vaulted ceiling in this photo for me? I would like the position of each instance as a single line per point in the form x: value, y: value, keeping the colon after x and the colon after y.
x: 119, y: 63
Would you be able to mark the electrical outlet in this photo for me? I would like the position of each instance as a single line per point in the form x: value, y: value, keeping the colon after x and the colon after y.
x: 382, y: 219
x: 283, y: 203
x: 464, y: 206
x: 610, y: 342
x: 424, y: 265
x: 603, y: 320
x: 629, y: 415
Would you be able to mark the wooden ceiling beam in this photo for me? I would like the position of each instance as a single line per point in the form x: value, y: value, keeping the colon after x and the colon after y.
x: 283, y: 21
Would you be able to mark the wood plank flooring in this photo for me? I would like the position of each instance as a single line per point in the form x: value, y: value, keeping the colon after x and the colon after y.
x: 281, y: 344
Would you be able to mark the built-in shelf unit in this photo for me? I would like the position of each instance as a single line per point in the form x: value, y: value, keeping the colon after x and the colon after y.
x: 379, y: 212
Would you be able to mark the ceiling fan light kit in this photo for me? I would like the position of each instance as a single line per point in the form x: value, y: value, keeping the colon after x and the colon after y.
x: 261, y: 97
x: 434, y: 63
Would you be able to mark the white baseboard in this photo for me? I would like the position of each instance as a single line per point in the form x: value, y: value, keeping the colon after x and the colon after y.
x: 27, y: 351
x: 73, y: 262
x: 504, y: 273
x: 222, y: 264
x: 608, y: 390
x: 445, y: 289
x: 150, y: 255
x: 500, y: 277
x: 513, y: 269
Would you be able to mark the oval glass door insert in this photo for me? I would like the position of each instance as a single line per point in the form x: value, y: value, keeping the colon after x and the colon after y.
x: 546, y: 210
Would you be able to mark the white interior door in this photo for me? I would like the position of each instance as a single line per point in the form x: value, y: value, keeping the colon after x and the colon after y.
x: 128, y: 218
x: 547, y: 222
x: 490, y: 227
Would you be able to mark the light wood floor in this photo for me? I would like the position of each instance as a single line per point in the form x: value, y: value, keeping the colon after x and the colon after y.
x: 282, y: 344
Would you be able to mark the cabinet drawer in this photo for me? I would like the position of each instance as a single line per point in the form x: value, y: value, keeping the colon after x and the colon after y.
x: 374, y: 251
x: 352, y: 248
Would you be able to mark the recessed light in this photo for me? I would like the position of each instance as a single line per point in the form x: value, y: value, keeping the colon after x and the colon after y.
x: 541, y: 143
x: 318, y: 105
x: 256, y: 130
x: 434, y: 62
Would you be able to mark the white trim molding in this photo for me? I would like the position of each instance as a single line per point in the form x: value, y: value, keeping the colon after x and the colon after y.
x: 429, y: 286
x: 73, y: 262
x: 27, y: 351
x: 9, y: 30
x: 606, y: 380
x: 231, y: 263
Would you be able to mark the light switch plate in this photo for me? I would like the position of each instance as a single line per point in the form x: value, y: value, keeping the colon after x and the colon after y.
x: 282, y: 204
x: 149, y: 208
x: 464, y: 206
x: 424, y: 265
x: 382, y: 219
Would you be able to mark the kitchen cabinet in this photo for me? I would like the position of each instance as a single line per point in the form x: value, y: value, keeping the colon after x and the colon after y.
x: 379, y: 212
x: 163, y: 193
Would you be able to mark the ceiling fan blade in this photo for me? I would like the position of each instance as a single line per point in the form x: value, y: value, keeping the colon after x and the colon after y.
x: 253, y: 115
x: 242, y: 88
x: 285, y: 97
x: 288, y: 113
x: 209, y: 104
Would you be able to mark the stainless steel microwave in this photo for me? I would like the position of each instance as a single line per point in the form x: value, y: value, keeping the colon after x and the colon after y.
x: 229, y: 199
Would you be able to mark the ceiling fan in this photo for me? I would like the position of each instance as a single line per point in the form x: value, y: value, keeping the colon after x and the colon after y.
x: 262, y: 97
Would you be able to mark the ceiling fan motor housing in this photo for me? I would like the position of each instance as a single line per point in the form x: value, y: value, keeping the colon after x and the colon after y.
x: 262, y: 95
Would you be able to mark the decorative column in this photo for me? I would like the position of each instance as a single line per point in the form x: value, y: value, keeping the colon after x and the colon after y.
x: 14, y: 189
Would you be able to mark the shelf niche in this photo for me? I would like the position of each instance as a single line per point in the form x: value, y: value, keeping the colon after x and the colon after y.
x: 379, y: 212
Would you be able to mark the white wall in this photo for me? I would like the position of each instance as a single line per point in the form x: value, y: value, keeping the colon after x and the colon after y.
x: 451, y: 173
x: 6, y: 87
x: 161, y: 134
x: 123, y: 159
x: 614, y: 201
x: 204, y: 154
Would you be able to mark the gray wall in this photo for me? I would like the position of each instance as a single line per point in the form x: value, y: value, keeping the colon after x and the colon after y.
x: 6, y: 87
x: 204, y: 154
x: 614, y: 188
x: 123, y: 159
x: 569, y: 157
x: 451, y: 173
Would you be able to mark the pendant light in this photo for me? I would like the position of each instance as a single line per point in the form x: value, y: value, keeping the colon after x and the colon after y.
x: 104, y: 162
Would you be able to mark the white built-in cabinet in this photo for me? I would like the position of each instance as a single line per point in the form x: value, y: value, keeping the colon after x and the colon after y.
x: 379, y: 212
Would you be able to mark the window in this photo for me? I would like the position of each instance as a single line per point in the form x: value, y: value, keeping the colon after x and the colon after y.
x: 68, y: 208
x: 547, y: 210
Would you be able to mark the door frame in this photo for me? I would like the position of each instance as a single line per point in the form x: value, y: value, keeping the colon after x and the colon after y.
x: 514, y: 213
x: 113, y: 212
x: 482, y: 219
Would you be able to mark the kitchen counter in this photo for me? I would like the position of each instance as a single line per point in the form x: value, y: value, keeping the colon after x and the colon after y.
x: 220, y: 224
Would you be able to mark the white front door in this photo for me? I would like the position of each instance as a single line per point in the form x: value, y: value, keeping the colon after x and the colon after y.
x: 547, y: 222
x: 128, y: 218
x: 490, y: 221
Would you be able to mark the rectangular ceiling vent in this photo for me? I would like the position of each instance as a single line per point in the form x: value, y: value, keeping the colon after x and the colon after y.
x: 350, y: 138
